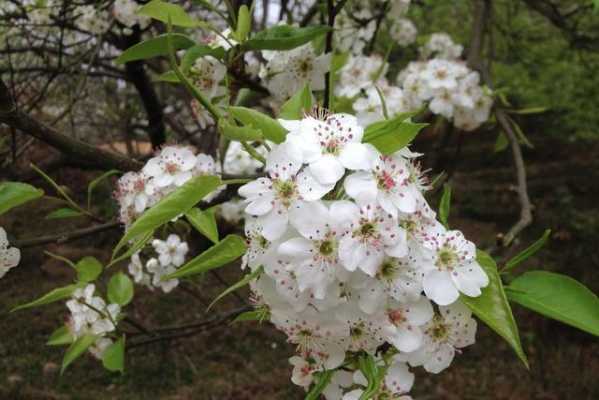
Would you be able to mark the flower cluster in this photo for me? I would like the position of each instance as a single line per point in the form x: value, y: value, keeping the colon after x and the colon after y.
x: 166, y: 257
x: 450, y: 88
x: 162, y: 174
x: 91, y: 315
x: 9, y: 256
x: 440, y: 45
x: 125, y: 11
x: 91, y: 19
x: 350, y: 257
x: 207, y: 74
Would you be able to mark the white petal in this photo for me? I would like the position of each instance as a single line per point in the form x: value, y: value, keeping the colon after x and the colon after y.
x: 406, y: 340
x: 274, y: 224
x: 309, y: 188
x: 361, y: 186
x: 439, y: 287
x: 327, y: 169
x: 261, y: 205
x: 298, y: 248
x: 310, y: 219
x: 356, y: 156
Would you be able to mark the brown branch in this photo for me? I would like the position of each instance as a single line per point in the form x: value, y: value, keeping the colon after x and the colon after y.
x: 71, y: 147
x: 65, y: 236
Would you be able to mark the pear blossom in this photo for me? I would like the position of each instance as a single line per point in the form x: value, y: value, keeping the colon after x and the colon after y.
x: 171, y: 251
x: 403, y: 31
x: 398, y: 381
x: 9, y: 256
x: 158, y: 272
x: 207, y: 73
x: 173, y: 165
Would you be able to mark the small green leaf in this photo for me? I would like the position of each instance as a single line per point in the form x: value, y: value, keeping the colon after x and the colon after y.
x: 92, y: 185
x: 120, y: 289
x: 501, y: 143
x: 236, y: 286
x: 322, y: 380
x: 154, y: 47
x: 63, y: 213
x: 60, y: 337
x: 296, y: 106
x: 559, y: 297
x: 113, y: 358
x: 176, y: 203
x: 13, y: 194
x: 163, y: 11
x: 226, y: 251
x: 260, y: 315
x: 168, y: 76
x: 50, y: 297
x: 445, y: 205
x: 76, y: 349
x: 528, y: 252
x: 492, y: 306
x: 244, y: 22
x: 197, y: 51
x: 238, y: 133
x: 271, y: 128
x: 529, y: 110
x: 391, y: 135
x: 137, y: 245
x: 88, y: 269
x: 284, y: 37
x: 204, y: 222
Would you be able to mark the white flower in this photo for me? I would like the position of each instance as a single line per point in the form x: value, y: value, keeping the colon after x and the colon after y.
x: 90, y: 314
x: 125, y: 11
x: 328, y: 145
x: 403, y: 31
x: 137, y: 271
x: 287, y: 72
x: 340, y: 380
x: 100, y: 346
x: 452, y: 329
x: 441, y: 46
x: 232, y: 211
x: 404, y: 321
x: 158, y: 271
x: 171, y: 251
x: 372, y: 234
x: 359, y: 73
x: 398, y: 380
x: 207, y: 74
x: 9, y: 256
x: 173, y: 165
x: 452, y: 268
x: 239, y: 162
x: 271, y: 198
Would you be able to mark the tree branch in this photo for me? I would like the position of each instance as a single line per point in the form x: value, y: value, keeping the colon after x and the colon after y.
x: 65, y: 236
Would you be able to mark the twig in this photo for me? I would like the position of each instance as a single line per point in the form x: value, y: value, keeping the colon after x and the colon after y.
x: 66, y: 236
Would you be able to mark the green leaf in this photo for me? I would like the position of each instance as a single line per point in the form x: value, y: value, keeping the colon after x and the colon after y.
x: 50, y: 297
x: 197, y: 51
x: 284, y: 37
x: 492, y: 306
x: 501, y: 143
x: 373, y: 375
x: 63, y: 213
x: 559, y: 297
x: 296, y: 106
x: 60, y: 337
x: 445, y: 205
x: 238, y: 133
x: 92, y: 185
x: 137, y: 245
x: 271, y: 128
x: 204, y: 222
x: 76, y: 349
x: 528, y: 252
x: 13, y: 194
x: 176, y: 203
x: 244, y: 22
x: 260, y: 315
x: 529, y: 110
x: 236, y: 286
x: 113, y: 358
x: 227, y: 250
x: 322, y: 380
x: 88, y: 269
x: 154, y: 47
x: 391, y: 135
x: 168, y: 76
x: 120, y: 289
x: 162, y: 11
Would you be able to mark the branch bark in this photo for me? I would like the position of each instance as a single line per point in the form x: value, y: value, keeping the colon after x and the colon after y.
x: 83, y: 152
x: 66, y: 236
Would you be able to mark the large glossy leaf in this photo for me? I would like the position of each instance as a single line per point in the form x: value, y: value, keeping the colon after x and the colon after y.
x: 492, y: 307
x: 120, y: 289
x: 113, y: 358
x: 391, y: 135
x: 76, y: 349
x: 205, y: 222
x: 50, y: 297
x: 197, y: 51
x: 154, y: 47
x: 559, y: 297
x: 296, y: 106
x: 227, y: 250
x: 271, y: 129
x: 13, y: 194
x: 163, y: 11
x: 284, y: 37
x: 88, y: 269
x: 176, y: 203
